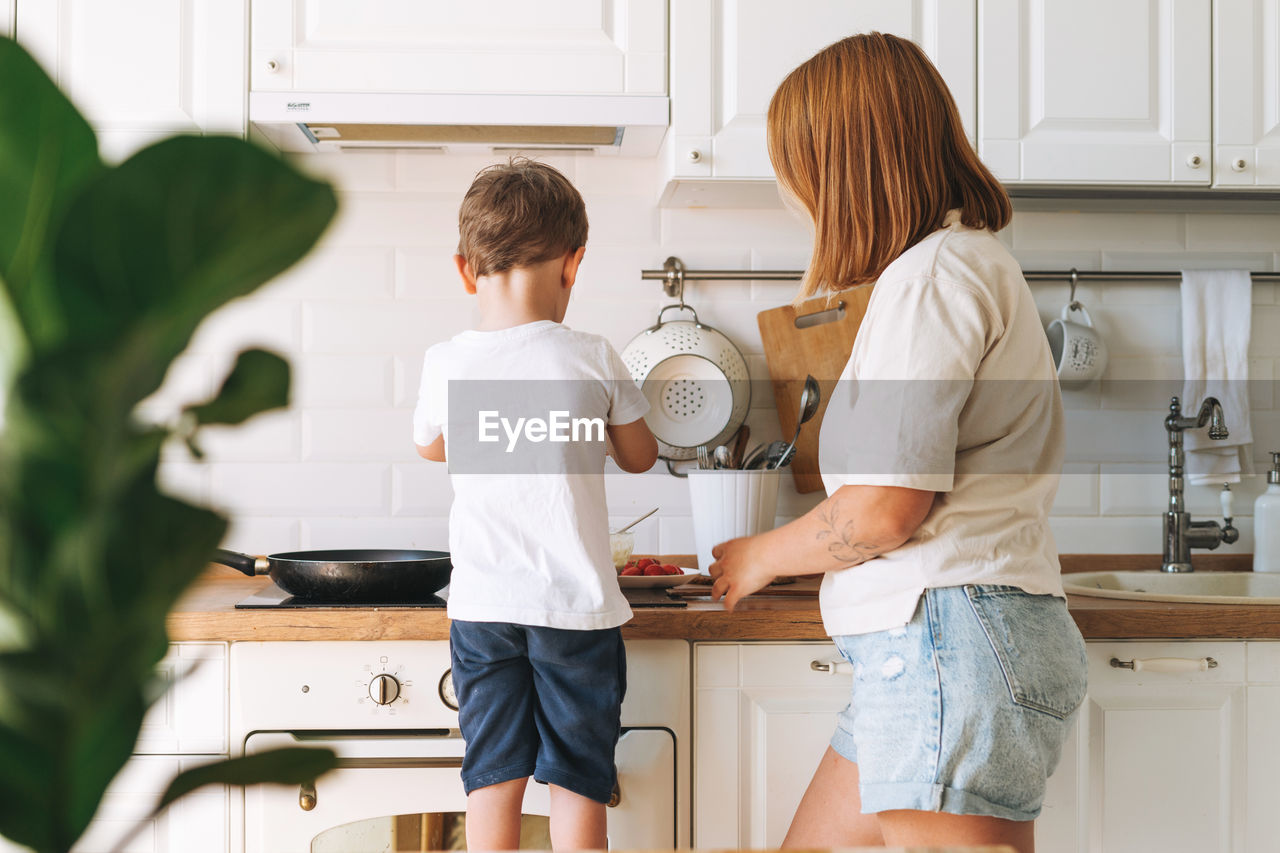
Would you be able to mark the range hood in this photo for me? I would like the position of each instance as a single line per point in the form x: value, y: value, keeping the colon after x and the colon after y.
x: 315, y: 122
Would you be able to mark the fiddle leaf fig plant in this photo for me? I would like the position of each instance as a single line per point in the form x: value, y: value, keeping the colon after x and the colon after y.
x: 105, y: 273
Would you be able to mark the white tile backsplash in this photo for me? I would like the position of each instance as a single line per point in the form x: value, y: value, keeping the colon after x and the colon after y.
x: 354, y: 318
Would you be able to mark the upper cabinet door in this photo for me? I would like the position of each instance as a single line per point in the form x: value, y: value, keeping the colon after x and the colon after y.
x: 729, y: 56
x: 1095, y: 90
x: 1247, y: 92
x: 480, y: 46
x: 161, y: 67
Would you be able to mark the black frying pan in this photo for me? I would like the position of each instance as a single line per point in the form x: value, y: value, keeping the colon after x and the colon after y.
x: 383, y: 576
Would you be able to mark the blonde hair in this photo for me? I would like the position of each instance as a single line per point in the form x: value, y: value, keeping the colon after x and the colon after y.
x: 517, y: 214
x: 866, y: 137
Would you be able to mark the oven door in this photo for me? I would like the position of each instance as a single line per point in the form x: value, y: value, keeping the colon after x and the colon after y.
x: 393, y: 792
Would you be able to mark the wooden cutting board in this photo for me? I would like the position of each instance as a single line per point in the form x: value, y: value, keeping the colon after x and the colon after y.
x: 814, y: 339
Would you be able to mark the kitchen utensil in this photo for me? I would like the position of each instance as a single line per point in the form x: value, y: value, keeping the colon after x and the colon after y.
x: 814, y: 339
x: 695, y: 380
x: 722, y: 457
x: 728, y: 504
x: 704, y: 458
x: 656, y: 581
x: 764, y: 454
x: 637, y: 521
x: 739, y: 446
x: 348, y: 574
x: 1078, y: 351
x: 810, y: 398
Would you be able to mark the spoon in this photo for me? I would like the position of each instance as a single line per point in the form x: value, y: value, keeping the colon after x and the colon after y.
x: 810, y: 397
x: 637, y: 521
x: 722, y: 457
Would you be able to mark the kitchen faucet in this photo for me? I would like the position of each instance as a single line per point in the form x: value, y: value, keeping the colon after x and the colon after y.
x: 1181, y: 534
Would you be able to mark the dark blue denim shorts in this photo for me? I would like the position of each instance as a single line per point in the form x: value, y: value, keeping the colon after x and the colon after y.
x: 540, y: 702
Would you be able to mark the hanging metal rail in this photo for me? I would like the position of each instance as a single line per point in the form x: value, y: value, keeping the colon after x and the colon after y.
x: 673, y: 275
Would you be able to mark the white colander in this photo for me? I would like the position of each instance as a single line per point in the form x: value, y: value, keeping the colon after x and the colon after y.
x: 695, y: 380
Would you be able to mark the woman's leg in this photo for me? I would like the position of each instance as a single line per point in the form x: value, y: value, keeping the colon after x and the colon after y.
x: 493, y: 816
x: 577, y: 823
x: 830, y: 813
x: 907, y: 828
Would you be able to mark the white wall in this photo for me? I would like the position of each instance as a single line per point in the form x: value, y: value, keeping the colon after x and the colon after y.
x: 339, y: 468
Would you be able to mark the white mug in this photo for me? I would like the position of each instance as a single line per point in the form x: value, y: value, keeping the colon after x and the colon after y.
x: 1078, y: 351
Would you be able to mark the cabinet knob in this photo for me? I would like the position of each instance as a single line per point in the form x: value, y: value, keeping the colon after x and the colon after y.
x: 272, y: 66
x: 695, y: 156
x: 1239, y: 164
x: 1195, y: 161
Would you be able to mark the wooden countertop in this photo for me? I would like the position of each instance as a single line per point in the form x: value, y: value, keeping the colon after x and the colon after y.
x: 207, y: 613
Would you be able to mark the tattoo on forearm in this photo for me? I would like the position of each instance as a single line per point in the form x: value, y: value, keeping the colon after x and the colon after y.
x: 841, y: 539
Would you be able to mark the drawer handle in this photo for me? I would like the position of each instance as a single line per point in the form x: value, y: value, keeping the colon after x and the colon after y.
x: 831, y: 667
x: 1165, y: 664
x: 307, y: 797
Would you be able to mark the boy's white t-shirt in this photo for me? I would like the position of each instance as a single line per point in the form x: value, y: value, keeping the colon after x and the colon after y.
x: 950, y: 388
x: 529, y: 548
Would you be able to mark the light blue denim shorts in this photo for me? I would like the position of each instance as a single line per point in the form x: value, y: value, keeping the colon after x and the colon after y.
x: 965, y: 708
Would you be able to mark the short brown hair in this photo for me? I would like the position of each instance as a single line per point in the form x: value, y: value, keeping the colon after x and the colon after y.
x: 866, y: 136
x: 517, y: 214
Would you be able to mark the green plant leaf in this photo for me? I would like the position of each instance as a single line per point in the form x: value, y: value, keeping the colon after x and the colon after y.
x: 258, y: 381
x: 47, y: 152
x: 293, y: 765
x: 229, y: 217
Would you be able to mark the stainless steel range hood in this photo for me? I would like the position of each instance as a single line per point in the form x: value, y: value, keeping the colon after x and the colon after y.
x: 312, y: 122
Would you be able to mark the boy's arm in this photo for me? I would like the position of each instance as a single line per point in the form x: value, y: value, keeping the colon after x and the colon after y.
x: 633, y: 447
x: 433, y: 451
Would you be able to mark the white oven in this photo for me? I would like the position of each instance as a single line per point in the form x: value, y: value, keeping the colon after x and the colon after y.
x: 384, y: 707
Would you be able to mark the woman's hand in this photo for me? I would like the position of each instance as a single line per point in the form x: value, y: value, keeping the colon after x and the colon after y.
x: 740, y: 568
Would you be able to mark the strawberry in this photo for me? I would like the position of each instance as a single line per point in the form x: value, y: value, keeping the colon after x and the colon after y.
x: 653, y: 570
x: 632, y: 571
x: 668, y: 569
x: 646, y: 562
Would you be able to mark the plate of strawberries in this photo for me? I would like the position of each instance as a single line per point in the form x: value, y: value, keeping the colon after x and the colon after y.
x: 648, y: 572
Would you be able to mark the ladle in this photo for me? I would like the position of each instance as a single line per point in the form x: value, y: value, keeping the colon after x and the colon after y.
x: 810, y: 397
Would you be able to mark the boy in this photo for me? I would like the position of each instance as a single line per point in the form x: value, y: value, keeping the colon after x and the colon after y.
x: 538, y: 662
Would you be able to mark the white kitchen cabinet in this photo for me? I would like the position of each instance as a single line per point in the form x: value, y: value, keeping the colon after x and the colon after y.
x: 6, y: 17
x: 1159, y: 759
x: 190, y: 717
x: 727, y: 59
x: 1246, y: 93
x: 197, y: 823
x: 144, y: 70
x: 492, y: 46
x: 762, y: 720
x: 186, y: 727
x: 1262, y: 827
x: 1095, y: 91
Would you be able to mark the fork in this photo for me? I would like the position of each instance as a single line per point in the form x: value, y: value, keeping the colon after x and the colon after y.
x: 704, y: 458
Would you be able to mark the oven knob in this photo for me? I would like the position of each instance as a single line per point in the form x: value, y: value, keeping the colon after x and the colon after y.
x: 447, y: 694
x: 384, y: 689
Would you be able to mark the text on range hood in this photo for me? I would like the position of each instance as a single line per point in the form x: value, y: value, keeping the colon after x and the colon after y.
x: 628, y: 125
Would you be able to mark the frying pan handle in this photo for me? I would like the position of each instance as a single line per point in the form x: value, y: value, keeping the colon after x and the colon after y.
x: 246, y: 563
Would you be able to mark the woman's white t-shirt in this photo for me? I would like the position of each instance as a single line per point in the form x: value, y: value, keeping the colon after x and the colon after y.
x: 950, y: 388
x: 529, y: 526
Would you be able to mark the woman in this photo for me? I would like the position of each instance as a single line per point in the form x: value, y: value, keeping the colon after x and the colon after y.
x: 940, y: 452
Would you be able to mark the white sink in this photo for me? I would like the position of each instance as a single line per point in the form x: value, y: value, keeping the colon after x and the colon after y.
x: 1207, y: 587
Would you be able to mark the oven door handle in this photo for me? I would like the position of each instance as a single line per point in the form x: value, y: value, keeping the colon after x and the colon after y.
x: 309, y: 795
x: 384, y: 762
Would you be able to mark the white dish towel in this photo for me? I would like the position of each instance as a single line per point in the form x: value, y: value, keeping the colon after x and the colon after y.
x: 1217, y: 308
